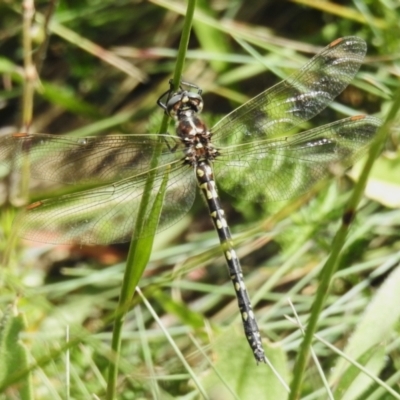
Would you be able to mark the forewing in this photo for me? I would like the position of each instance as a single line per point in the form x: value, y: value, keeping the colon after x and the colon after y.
x: 270, y: 170
x: 298, y: 98
x: 63, y: 159
x: 107, y: 214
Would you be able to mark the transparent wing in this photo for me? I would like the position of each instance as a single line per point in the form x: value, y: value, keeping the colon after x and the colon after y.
x: 298, y: 98
x: 107, y: 214
x: 270, y: 170
x: 91, y: 160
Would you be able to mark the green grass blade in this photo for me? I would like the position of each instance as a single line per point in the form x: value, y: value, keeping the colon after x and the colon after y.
x: 140, y: 248
x: 14, y: 357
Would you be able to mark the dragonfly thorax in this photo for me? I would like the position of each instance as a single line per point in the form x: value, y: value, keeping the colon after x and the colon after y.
x: 184, y: 106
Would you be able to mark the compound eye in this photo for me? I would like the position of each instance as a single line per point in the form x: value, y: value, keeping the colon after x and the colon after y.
x: 182, y: 101
x: 173, y: 101
x: 198, y: 101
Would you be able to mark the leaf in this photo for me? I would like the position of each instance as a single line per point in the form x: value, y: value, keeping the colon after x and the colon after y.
x: 384, y: 182
x: 367, y: 344
x: 14, y: 357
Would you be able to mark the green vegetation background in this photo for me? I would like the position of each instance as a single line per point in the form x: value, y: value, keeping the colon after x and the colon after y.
x: 102, y: 70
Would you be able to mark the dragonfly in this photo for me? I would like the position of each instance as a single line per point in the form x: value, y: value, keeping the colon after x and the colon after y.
x: 252, y: 152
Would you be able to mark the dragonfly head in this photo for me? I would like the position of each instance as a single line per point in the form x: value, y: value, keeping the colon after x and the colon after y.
x: 184, y: 102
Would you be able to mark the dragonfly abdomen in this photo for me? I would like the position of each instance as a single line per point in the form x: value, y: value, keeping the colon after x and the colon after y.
x: 208, y: 188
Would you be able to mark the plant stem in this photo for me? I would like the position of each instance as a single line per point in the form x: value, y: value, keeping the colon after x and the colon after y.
x: 140, y: 247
